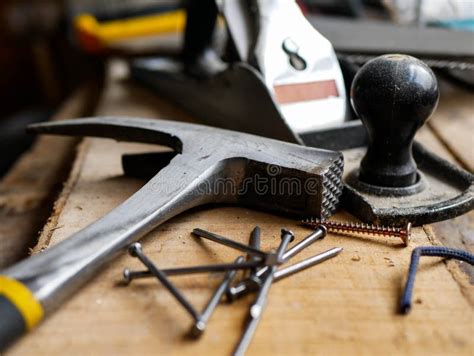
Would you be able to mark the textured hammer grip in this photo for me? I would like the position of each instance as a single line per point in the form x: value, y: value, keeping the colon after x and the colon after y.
x: 12, y: 324
x: 19, y: 310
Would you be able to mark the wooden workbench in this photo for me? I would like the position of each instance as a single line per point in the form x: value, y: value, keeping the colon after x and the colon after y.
x: 344, y: 306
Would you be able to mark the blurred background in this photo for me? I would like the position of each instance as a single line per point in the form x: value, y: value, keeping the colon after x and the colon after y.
x: 48, y: 48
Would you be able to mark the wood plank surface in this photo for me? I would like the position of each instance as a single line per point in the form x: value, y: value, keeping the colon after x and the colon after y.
x: 344, y: 306
x: 449, y: 134
x: 28, y: 191
x: 453, y: 124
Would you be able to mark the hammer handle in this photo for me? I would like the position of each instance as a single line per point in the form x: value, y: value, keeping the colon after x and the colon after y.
x: 39, y: 284
x: 20, y: 311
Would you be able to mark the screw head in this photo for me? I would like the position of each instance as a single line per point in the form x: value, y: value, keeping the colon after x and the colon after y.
x: 255, y: 311
x: 231, y: 294
x: 407, y: 237
x: 251, y: 284
x: 198, y: 329
x: 324, y: 229
x: 134, y: 248
x: 126, y: 276
x: 285, y: 232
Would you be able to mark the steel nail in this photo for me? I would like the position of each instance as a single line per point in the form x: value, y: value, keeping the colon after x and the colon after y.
x: 129, y: 275
x: 229, y: 243
x: 307, y: 263
x: 254, y: 242
x: 200, y: 324
x: 287, y: 236
x: 255, y: 314
x: 319, y: 233
x: 135, y: 250
x: 260, y: 302
x: 247, y: 286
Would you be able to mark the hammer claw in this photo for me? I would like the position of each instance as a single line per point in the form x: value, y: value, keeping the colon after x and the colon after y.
x: 213, y: 166
x: 159, y: 132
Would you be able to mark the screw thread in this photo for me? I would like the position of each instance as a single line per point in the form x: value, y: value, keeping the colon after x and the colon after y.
x: 380, y: 230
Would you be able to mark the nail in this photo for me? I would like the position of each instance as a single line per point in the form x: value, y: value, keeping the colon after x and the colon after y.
x: 254, y: 242
x: 129, y: 275
x: 135, y: 250
x: 230, y: 243
x: 269, y: 258
x: 255, y: 238
x: 255, y: 314
x: 307, y: 263
x: 319, y: 233
x: 200, y: 325
x: 241, y: 288
x: 287, y: 236
x: 244, y: 287
x: 260, y: 302
x: 437, y: 251
x: 247, y: 286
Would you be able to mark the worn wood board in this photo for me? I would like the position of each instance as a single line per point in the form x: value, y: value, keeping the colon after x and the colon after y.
x: 28, y: 191
x: 449, y: 133
x: 453, y: 124
x: 344, y: 306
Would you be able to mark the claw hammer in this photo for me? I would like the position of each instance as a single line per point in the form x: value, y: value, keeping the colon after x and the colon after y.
x: 211, y: 166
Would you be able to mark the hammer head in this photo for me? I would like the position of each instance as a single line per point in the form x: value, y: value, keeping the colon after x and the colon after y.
x: 220, y: 166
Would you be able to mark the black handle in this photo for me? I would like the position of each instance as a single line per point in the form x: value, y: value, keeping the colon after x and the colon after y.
x: 393, y: 95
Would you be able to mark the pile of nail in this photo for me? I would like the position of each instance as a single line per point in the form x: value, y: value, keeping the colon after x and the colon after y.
x: 263, y: 268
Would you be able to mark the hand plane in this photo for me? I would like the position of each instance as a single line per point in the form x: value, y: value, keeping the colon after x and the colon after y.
x: 390, y: 178
x: 278, y: 78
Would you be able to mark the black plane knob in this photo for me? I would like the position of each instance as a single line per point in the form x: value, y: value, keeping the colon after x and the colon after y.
x: 393, y: 95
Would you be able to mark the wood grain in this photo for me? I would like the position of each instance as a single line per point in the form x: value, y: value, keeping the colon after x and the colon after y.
x: 453, y: 124
x: 344, y: 306
x: 457, y: 232
x: 28, y: 191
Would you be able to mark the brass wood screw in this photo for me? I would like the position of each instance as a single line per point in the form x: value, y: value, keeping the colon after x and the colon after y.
x: 349, y: 227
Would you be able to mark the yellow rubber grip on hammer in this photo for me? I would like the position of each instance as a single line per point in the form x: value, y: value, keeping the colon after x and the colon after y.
x: 21, y: 297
